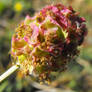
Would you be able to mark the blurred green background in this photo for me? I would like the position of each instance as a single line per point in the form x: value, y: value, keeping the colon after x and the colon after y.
x: 78, y: 77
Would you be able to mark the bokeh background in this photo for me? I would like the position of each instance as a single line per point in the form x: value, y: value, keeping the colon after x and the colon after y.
x: 78, y: 77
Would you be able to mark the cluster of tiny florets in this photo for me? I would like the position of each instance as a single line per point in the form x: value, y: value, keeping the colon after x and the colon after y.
x: 46, y: 42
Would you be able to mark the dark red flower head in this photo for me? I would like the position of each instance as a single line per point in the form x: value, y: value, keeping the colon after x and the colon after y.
x: 45, y: 43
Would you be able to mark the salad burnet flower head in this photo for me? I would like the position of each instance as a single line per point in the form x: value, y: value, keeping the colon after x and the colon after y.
x: 46, y: 42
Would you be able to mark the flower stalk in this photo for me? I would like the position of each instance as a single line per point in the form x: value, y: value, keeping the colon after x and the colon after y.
x: 8, y: 72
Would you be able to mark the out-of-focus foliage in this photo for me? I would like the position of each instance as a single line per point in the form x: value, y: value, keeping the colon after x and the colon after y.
x: 78, y: 77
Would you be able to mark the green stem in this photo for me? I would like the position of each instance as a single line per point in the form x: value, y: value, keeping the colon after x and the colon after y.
x: 8, y: 72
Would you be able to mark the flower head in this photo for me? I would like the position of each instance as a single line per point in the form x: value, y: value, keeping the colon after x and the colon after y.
x: 46, y: 42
